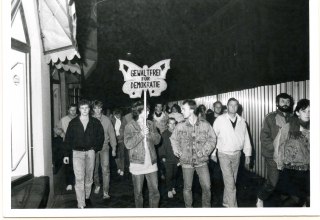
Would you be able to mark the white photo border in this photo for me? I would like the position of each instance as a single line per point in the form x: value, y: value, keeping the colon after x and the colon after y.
x: 126, y: 212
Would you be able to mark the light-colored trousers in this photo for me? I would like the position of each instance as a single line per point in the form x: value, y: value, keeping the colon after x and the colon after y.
x: 204, y: 178
x: 83, y: 165
x: 102, y: 158
x: 229, y: 166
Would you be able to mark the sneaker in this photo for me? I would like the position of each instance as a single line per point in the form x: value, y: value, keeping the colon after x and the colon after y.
x: 225, y: 205
x: 170, y: 195
x: 106, y: 196
x: 97, y: 190
x: 173, y: 191
x: 69, y: 187
x: 259, y: 203
x: 163, y: 177
x: 81, y: 207
x: 121, y: 173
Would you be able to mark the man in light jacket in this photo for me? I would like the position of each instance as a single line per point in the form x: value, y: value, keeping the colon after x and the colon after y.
x: 193, y: 140
x: 232, y: 137
x: 102, y: 156
x: 143, y: 157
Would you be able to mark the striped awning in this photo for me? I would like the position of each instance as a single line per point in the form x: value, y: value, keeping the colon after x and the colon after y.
x: 58, y: 33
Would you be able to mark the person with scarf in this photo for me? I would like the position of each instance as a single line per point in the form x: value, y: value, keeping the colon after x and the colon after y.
x: 292, y: 155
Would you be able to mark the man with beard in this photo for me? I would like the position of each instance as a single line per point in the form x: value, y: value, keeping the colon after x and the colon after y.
x: 273, y: 122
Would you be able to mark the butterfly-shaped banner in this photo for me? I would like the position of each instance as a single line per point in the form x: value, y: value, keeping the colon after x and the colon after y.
x: 138, y: 79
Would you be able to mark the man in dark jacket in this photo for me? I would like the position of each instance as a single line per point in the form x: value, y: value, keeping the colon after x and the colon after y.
x: 124, y: 121
x: 170, y: 161
x: 116, y: 120
x: 272, y: 123
x: 84, y: 137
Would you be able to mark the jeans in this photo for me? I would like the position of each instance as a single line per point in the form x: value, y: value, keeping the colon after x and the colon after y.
x: 272, y: 179
x: 154, y: 195
x: 69, y: 172
x: 171, y: 175
x: 204, y: 178
x: 83, y: 165
x: 120, y: 156
x: 102, y: 158
x: 297, y: 185
x: 229, y: 166
x: 126, y: 160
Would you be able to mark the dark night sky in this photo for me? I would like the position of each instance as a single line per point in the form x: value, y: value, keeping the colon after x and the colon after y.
x: 214, y: 45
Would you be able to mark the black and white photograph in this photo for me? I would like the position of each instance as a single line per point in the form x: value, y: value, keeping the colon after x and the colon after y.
x: 127, y: 108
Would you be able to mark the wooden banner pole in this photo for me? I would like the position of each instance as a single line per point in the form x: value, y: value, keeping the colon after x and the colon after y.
x: 145, y: 114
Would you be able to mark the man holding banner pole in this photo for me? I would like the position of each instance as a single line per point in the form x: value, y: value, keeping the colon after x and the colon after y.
x: 140, y: 135
x: 140, y: 138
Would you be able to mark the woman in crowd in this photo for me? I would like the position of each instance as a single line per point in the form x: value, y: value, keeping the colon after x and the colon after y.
x: 201, y: 112
x: 176, y: 113
x: 120, y: 159
x: 293, y: 156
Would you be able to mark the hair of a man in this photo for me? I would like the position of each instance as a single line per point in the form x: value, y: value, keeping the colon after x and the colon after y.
x: 83, y: 102
x: 233, y: 99
x: 284, y: 96
x: 72, y: 105
x: 97, y: 103
x: 191, y: 103
x: 217, y: 102
x: 137, y: 108
x: 176, y: 106
x: 172, y: 119
x: 117, y: 111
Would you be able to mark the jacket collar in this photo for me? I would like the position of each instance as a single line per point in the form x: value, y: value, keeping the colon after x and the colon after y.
x: 136, y: 125
x: 99, y: 118
x: 78, y: 118
x: 239, y: 118
x: 197, y: 122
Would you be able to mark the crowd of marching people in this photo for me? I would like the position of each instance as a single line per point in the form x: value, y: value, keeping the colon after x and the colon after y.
x: 156, y: 143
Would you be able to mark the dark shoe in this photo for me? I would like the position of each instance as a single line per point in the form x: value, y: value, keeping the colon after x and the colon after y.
x: 88, y: 203
x: 292, y: 201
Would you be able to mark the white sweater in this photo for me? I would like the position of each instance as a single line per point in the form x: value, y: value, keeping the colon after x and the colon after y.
x: 231, y: 140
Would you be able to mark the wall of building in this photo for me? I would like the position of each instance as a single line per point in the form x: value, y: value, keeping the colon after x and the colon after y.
x: 258, y: 102
x: 40, y: 97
